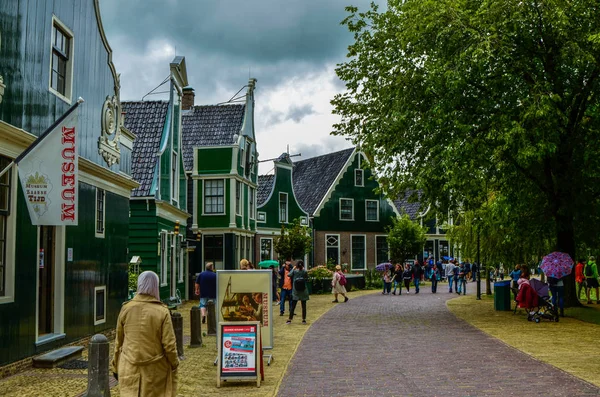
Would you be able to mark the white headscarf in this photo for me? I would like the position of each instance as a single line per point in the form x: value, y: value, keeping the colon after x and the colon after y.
x: 148, y: 284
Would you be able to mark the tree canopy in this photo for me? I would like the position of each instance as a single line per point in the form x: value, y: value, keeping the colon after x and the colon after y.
x: 405, y: 239
x: 464, y: 99
x: 294, y: 241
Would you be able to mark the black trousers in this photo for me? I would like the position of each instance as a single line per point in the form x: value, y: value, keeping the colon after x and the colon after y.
x: 294, y: 303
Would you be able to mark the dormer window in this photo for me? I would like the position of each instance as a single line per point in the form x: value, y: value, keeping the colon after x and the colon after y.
x: 359, y: 178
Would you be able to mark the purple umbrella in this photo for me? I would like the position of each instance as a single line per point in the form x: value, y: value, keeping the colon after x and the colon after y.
x: 383, y: 266
x: 557, y: 265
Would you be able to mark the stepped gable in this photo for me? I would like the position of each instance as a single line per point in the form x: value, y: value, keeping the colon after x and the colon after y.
x: 313, y: 177
x: 404, y: 206
x: 265, y: 186
x: 210, y: 125
x: 146, y: 120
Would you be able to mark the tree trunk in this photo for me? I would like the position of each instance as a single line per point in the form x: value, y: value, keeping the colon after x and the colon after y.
x: 565, y: 242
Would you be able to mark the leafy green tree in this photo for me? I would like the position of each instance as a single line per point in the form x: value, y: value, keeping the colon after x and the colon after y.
x: 294, y: 241
x: 405, y: 239
x: 457, y: 98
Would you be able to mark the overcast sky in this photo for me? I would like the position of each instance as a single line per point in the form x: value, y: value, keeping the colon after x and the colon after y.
x: 290, y: 46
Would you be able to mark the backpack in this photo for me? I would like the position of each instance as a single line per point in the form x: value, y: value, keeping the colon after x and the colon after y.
x: 342, y: 279
x: 588, y: 271
x: 299, y: 283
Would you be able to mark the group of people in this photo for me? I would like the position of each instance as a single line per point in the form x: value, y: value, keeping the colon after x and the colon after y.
x: 400, y: 276
x: 586, y: 276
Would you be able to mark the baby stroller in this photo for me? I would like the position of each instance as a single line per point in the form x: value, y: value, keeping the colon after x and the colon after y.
x: 535, y: 298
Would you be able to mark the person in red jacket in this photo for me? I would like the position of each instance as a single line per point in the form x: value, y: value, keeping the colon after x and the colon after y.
x: 579, y: 277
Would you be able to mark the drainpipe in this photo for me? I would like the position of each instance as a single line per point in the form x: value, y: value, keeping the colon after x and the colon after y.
x: 312, y: 232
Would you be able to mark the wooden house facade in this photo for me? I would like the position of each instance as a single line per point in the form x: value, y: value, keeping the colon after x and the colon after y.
x: 159, y: 205
x: 58, y: 283
x: 222, y: 162
x: 276, y: 206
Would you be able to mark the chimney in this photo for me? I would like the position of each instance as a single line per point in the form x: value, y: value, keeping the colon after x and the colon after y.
x: 188, y: 98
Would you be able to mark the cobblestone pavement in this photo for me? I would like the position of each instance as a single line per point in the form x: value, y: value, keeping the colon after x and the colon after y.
x: 411, y: 345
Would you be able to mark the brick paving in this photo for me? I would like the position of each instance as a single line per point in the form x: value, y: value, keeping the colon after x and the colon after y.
x: 411, y: 345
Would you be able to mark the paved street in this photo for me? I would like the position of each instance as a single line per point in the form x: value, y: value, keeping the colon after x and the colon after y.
x: 411, y: 345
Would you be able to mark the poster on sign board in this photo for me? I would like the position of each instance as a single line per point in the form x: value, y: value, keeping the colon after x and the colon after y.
x: 246, y: 295
x: 239, y: 352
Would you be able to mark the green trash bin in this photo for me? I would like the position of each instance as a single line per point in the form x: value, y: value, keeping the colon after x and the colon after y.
x: 502, y: 295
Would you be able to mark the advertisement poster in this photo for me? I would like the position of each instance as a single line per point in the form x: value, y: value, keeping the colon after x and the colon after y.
x: 246, y: 295
x: 239, y: 349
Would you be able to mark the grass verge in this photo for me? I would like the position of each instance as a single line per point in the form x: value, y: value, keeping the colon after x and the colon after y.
x: 571, y: 344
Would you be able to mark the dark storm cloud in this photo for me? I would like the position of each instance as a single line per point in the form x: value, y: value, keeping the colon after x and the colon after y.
x: 296, y: 113
x: 226, y: 40
x: 327, y: 145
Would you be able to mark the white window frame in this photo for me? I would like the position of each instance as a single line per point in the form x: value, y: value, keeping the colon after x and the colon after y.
x: 367, y: 212
x: 11, y: 233
x: 287, y: 207
x: 238, y: 199
x: 204, y: 197
x: 243, y: 161
x: 175, y: 177
x: 97, y: 233
x: 340, y: 205
x: 164, y: 253
x: 303, y: 221
x: 96, y: 289
x: 252, y: 202
x: 174, y: 255
x: 182, y: 252
x: 381, y: 236
x: 338, y: 246
x: 67, y: 97
x: 364, y: 236
x: 261, y: 217
x: 260, y: 247
x: 362, y: 179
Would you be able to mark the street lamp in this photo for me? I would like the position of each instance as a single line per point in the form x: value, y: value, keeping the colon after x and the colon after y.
x: 478, y: 264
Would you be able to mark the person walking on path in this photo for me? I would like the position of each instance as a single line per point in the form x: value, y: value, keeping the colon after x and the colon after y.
x: 450, y: 275
x: 336, y: 286
x: 299, y: 291
x: 397, y: 279
x: 387, y: 282
x: 418, y: 273
x: 557, y: 289
x: 406, y: 277
x: 206, y: 288
x: 461, y: 279
x: 591, y: 279
x: 145, y: 360
x: 501, y: 272
x: 274, y: 283
x: 435, y: 277
x: 286, y: 288
x: 579, y: 277
x: 515, y: 275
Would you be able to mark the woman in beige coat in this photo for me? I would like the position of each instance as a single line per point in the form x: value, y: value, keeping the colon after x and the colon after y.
x: 145, y: 360
x: 336, y: 287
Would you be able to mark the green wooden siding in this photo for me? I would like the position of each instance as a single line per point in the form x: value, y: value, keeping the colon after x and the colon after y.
x: 26, y: 27
x: 282, y: 184
x: 214, y: 160
x: 96, y: 262
x: 144, y: 240
x: 329, y: 216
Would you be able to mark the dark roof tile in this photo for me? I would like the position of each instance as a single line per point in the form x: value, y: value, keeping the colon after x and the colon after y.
x: 212, y: 125
x: 265, y: 185
x: 313, y: 177
x: 146, y: 120
x: 405, y: 205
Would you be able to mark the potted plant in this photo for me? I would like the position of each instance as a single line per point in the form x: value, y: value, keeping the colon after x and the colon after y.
x: 317, y: 275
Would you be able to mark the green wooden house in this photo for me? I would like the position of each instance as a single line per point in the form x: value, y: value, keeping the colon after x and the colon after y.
x: 277, y: 206
x: 348, y: 217
x: 221, y: 159
x: 57, y: 283
x: 159, y: 204
x: 437, y: 245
